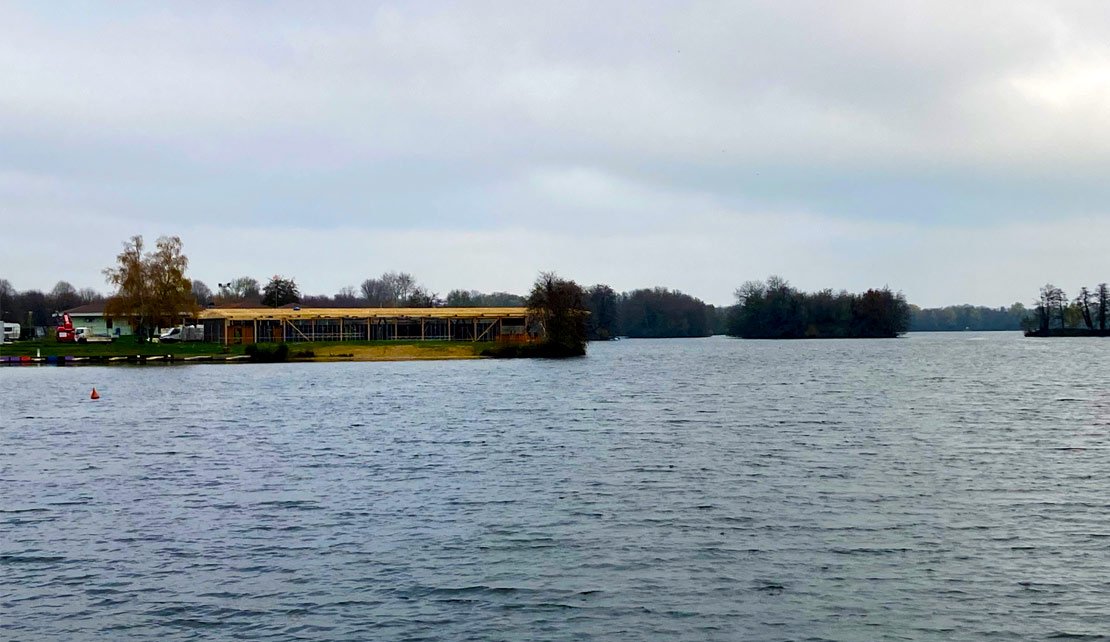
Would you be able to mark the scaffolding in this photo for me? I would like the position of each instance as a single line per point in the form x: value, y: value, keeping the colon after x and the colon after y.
x: 296, y: 324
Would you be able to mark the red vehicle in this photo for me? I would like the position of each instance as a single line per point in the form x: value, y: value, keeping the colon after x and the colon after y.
x: 66, y: 331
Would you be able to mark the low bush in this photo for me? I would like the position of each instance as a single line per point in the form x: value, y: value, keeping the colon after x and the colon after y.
x: 263, y: 353
x: 545, y: 350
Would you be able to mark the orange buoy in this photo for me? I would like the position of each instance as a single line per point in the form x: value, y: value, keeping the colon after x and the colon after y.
x: 95, y: 394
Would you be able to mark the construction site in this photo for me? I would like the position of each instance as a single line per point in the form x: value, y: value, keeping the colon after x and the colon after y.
x: 295, y: 324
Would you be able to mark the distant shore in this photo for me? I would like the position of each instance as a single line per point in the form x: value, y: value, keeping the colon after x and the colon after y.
x: 1067, y: 332
x: 128, y: 351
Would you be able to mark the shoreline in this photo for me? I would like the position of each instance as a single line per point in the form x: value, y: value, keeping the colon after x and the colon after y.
x: 1056, y: 333
x: 130, y: 353
x: 168, y: 360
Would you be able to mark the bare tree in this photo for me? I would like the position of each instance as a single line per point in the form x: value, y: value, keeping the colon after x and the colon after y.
x: 401, y: 285
x: 376, y: 293
x: 396, y: 289
x: 64, y: 296
x: 1103, y: 306
x: 202, y: 293
x: 89, y: 295
x: 243, y: 288
x: 1083, y: 302
x: 1051, y: 306
x: 347, y: 297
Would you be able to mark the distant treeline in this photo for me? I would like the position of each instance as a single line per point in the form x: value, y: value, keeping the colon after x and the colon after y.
x: 36, y: 308
x: 649, y: 313
x: 643, y: 313
x: 775, y: 310
x: 966, y: 317
x: 764, y: 309
x: 391, y: 289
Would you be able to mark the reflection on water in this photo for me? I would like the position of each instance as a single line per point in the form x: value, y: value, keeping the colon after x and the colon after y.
x: 934, y: 487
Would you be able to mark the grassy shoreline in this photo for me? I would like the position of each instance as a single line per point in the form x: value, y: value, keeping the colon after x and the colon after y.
x: 127, y: 350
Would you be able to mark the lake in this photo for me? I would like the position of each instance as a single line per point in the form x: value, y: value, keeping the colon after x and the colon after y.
x: 937, y: 486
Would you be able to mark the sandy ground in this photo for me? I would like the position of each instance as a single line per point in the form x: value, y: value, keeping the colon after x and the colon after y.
x: 395, y: 353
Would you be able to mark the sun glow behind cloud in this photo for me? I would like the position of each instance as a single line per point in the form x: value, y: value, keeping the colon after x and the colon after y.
x: 1071, y: 85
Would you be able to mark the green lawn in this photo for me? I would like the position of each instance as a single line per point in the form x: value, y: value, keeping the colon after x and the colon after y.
x: 123, y: 346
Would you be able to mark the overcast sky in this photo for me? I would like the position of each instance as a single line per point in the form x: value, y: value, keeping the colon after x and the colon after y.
x: 957, y: 151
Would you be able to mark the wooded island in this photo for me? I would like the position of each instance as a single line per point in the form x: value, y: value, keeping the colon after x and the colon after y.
x: 1055, y: 316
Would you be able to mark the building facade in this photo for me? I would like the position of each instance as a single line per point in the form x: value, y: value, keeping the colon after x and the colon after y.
x: 91, y: 316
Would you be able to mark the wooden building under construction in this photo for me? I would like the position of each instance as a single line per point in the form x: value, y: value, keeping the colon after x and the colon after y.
x: 295, y: 324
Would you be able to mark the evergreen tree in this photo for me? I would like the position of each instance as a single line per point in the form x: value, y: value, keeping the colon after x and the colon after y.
x: 280, y: 291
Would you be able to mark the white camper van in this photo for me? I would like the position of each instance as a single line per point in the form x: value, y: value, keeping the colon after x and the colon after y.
x: 11, y: 333
x: 182, y: 333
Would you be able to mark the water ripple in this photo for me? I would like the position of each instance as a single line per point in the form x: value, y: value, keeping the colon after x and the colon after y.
x: 928, y: 488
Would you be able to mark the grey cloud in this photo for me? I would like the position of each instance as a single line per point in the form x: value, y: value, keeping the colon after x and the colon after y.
x: 637, y: 122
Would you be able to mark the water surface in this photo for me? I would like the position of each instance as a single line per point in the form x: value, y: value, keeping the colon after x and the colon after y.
x: 934, y: 487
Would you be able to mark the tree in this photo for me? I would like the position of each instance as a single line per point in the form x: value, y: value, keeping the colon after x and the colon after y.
x: 151, y: 287
x: 659, y: 312
x: 749, y: 289
x: 602, y: 324
x: 89, y: 295
x: 476, y: 299
x: 421, y: 298
x: 7, y: 301
x: 1103, y: 306
x: 559, y: 305
x: 34, y: 308
x: 64, y: 296
x: 202, y: 294
x: 503, y: 300
x: 967, y: 317
x: 243, y: 288
x: 347, y: 297
x: 395, y: 289
x: 769, y: 310
x: 133, y: 291
x: 880, y: 313
x: 376, y: 293
x: 775, y: 310
x: 461, y: 298
x: 718, y: 318
x: 400, y: 285
x: 1051, y: 306
x: 1083, y: 305
x: 280, y: 291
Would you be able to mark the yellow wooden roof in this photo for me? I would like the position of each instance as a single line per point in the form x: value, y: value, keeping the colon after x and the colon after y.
x: 260, y: 314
